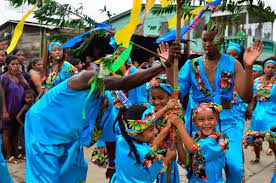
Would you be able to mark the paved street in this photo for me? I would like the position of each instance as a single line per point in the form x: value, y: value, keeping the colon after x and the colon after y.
x: 260, y: 173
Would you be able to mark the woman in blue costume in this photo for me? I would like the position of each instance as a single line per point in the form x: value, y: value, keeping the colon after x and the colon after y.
x: 257, y: 71
x: 211, y: 78
x: 138, y: 158
x: 264, y: 113
x: 137, y: 95
x: 57, y: 68
x: 238, y: 105
x: 207, y: 147
x: 56, y: 130
x: 160, y: 93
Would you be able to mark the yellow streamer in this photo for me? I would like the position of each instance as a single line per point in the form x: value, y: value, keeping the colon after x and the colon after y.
x: 123, y: 36
x: 18, y: 30
x: 149, y: 5
x: 172, y: 21
x: 165, y: 3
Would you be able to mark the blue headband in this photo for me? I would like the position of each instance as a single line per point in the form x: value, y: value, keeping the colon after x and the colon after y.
x: 154, y: 83
x: 52, y: 45
x: 269, y: 61
x: 155, y: 62
x: 257, y: 68
x: 234, y: 46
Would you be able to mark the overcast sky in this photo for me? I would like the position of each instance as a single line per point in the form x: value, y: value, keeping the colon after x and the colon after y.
x: 91, y: 8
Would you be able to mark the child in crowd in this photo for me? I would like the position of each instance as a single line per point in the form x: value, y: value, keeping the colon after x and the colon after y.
x: 29, y: 98
x: 160, y: 93
x: 207, y: 147
x: 138, y: 159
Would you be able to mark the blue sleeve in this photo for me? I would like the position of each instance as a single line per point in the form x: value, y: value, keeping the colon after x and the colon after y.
x: 210, y: 149
x: 184, y: 79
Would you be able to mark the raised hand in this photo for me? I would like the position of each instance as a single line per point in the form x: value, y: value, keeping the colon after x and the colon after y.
x: 163, y: 51
x: 252, y: 53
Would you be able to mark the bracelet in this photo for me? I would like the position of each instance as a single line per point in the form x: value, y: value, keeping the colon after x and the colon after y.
x: 111, y: 162
x: 163, y: 64
x: 164, y: 169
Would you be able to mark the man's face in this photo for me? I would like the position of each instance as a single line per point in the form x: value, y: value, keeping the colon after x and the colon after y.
x: 209, y: 44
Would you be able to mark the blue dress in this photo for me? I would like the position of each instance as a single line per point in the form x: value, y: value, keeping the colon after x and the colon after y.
x: 4, y: 171
x: 174, y: 170
x: 264, y: 114
x: 59, y: 75
x: 211, y: 156
x: 137, y: 95
x: 193, y: 78
x: 55, y: 134
x: 127, y: 170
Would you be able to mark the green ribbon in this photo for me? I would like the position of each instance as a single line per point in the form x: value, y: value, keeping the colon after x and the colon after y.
x: 112, y: 68
x: 93, y: 86
x: 121, y: 59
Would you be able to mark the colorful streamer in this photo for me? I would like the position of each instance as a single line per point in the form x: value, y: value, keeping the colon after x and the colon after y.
x: 123, y: 36
x: 18, y: 30
x: 172, y: 21
x: 172, y: 35
x: 72, y: 42
x: 121, y: 59
x: 149, y: 5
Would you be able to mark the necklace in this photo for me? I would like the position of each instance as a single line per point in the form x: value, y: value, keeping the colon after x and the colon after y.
x: 205, y: 64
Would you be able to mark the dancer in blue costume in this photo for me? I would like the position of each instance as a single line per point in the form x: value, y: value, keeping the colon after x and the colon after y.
x: 264, y: 113
x: 138, y: 158
x: 137, y: 95
x: 160, y: 93
x: 207, y: 147
x: 57, y: 68
x: 212, y: 77
x: 56, y: 131
x: 238, y: 105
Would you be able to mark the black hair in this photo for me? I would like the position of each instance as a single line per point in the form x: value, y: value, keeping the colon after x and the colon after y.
x: 86, y: 65
x: 16, y: 50
x: 75, y: 61
x: 4, y: 51
x: 10, y: 58
x: 135, y: 113
x: 29, y: 91
x: 33, y: 62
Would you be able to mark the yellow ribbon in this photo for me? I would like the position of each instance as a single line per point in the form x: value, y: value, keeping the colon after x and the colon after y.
x: 149, y: 5
x: 123, y: 36
x: 172, y: 21
x: 18, y: 30
x: 165, y: 3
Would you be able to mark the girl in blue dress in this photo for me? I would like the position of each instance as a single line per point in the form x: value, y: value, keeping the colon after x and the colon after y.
x: 160, y: 93
x: 238, y: 105
x: 138, y: 158
x: 57, y: 68
x: 207, y: 147
x: 264, y: 113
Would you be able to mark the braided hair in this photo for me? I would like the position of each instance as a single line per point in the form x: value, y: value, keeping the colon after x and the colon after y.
x: 135, y: 113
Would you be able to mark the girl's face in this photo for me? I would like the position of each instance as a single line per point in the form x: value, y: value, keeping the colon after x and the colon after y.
x: 269, y: 69
x: 57, y: 53
x: 206, y: 122
x: 29, y: 98
x: 79, y: 66
x: 20, y: 56
x: 256, y: 74
x: 234, y: 54
x: 147, y: 135
x: 13, y: 66
x: 2, y: 57
x: 159, y: 98
x: 38, y: 65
